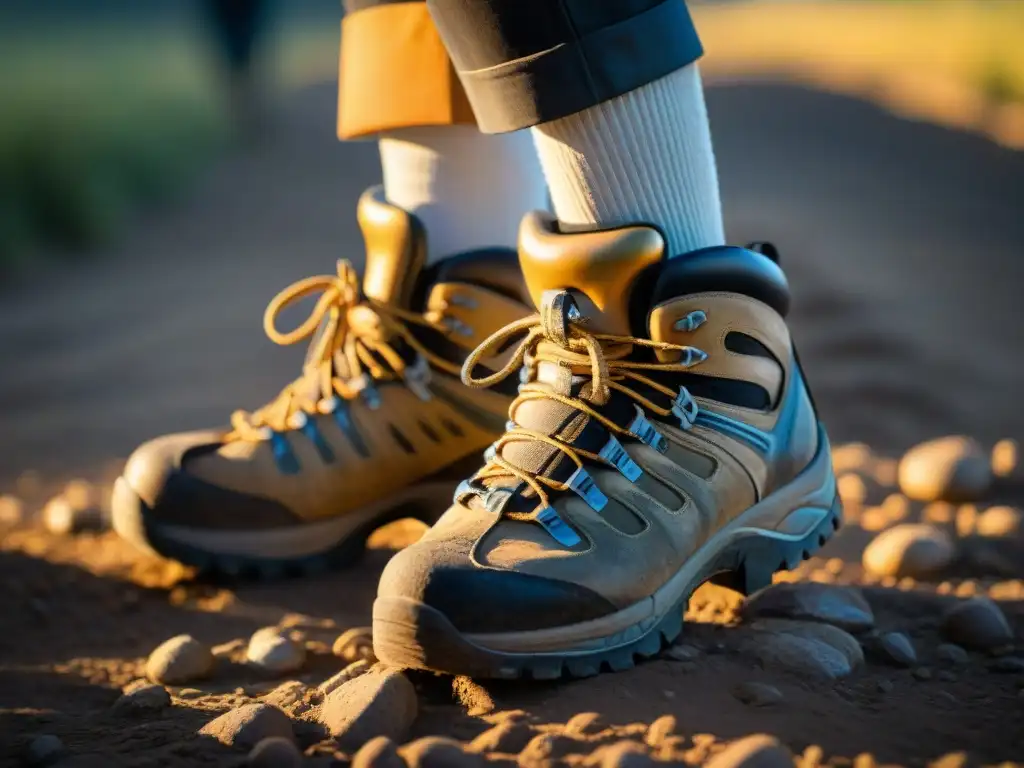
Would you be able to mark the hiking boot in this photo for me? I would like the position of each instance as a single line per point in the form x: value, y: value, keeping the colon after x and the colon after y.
x: 377, y: 428
x: 663, y: 435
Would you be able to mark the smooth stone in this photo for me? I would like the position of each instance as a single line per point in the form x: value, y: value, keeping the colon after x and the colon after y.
x: 977, y: 623
x: 912, y: 549
x: 379, y: 752
x: 438, y: 752
x: 805, y: 656
x: 381, y: 702
x: 830, y: 635
x: 624, y: 754
x: 585, y: 723
x: 997, y: 522
x: 953, y: 468
x: 272, y: 650
x: 757, y: 751
x: 179, y: 660
x: 142, y: 698
x: 951, y: 654
x: 894, y: 648
x: 248, y: 725
x: 508, y: 738
x: 275, y: 752
x: 354, y: 645
x: 844, y: 607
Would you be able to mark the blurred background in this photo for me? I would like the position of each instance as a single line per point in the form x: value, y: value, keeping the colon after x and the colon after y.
x: 167, y: 166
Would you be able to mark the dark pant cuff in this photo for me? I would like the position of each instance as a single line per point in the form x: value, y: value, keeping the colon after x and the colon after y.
x: 524, y: 62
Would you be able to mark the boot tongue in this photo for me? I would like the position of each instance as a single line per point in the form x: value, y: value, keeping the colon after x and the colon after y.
x: 599, y: 269
x: 395, y: 249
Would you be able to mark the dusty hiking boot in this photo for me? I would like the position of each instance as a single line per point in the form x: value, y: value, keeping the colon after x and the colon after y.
x: 663, y: 435
x: 377, y: 428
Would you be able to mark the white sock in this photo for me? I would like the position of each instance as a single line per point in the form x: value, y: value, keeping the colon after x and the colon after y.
x: 470, y: 190
x: 645, y: 156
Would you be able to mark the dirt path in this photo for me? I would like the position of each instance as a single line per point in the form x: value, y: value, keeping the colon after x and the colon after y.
x: 903, y: 244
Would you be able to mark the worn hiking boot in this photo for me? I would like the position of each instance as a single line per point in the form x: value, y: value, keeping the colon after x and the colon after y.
x: 663, y: 435
x: 378, y: 427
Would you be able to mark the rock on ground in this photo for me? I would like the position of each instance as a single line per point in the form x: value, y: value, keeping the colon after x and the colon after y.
x: 843, y: 607
x: 914, y: 550
x: 273, y: 651
x: 893, y: 648
x: 977, y: 623
x: 758, y: 751
x: 951, y: 468
x: 438, y: 752
x: 142, y: 698
x: 379, y: 752
x: 179, y: 660
x: 275, y: 752
x: 248, y: 725
x: 352, y: 671
x: 380, y: 703
x: 354, y: 645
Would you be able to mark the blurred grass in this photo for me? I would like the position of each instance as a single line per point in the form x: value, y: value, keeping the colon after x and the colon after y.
x: 99, y: 122
x: 969, y: 44
x: 94, y: 127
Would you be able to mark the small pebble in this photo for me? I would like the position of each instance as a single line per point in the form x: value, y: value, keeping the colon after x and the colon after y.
x: 624, y: 754
x: 181, y: 659
x: 381, y: 702
x: 843, y: 607
x: 275, y: 652
x: 914, y: 550
x: 1004, y: 458
x: 44, y: 749
x: 758, y: 751
x: 248, y: 725
x: 952, y: 468
x: 63, y: 517
x: 585, y: 724
x: 505, y: 738
x: 142, y: 698
x: 945, y: 676
x: 896, y: 648
x: 354, y: 645
x: 922, y: 673
x: 852, y: 488
x: 951, y: 654
x: 438, y: 752
x: 275, y: 752
x: 757, y: 694
x: 379, y: 752
x: 661, y: 729
x: 977, y: 623
x: 996, y: 522
x: 885, y: 686
x: 12, y: 511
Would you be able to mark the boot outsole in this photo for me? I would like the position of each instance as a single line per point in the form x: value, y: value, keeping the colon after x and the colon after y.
x: 133, y: 521
x: 413, y: 635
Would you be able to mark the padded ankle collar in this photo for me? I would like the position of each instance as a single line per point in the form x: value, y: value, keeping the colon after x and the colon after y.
x: 723, y: 268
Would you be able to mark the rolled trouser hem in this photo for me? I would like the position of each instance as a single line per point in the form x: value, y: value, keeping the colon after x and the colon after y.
x: 394, y: 71
x: 578, y: 72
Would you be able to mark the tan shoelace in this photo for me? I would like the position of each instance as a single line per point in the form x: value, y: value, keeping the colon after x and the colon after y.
x: 351, y: 338
x: 603, y: 357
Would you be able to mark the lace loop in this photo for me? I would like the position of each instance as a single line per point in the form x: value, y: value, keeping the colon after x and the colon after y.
x: 557, y: 336
x: 352, y: 346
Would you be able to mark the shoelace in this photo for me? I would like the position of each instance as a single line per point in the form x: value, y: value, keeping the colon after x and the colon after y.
x: 351, y: 336
x: 558, y: 337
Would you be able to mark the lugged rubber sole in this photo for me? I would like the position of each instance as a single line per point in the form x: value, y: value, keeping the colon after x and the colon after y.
x: 410, y: 634
x: 211, y: 551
